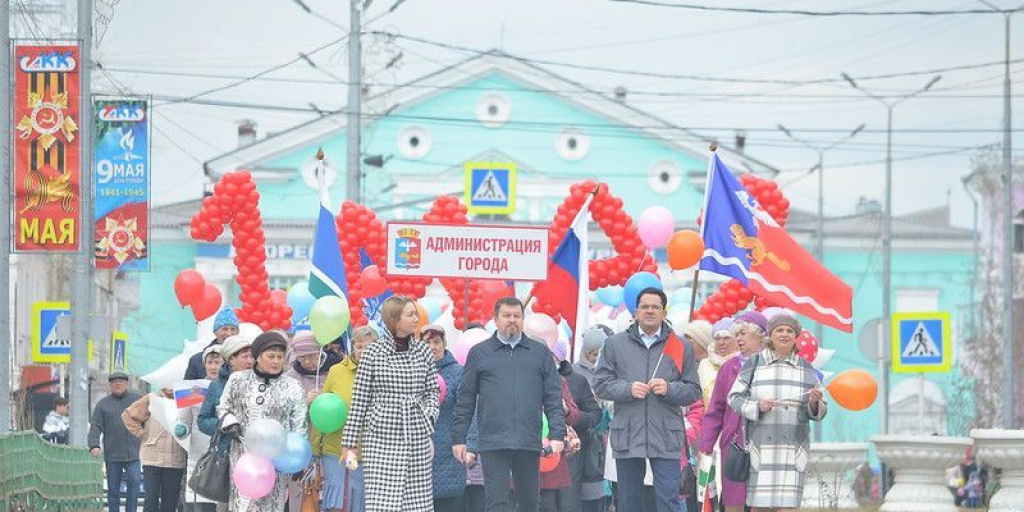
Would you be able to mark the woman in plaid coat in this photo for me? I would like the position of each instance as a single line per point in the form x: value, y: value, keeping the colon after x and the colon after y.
x: 778, y: 393
x: 394, y: 407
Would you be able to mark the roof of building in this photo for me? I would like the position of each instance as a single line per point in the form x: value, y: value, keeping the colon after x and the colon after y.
x: 930, y: 223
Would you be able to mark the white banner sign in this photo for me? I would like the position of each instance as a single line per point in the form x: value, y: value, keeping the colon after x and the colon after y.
x: 516, y: 253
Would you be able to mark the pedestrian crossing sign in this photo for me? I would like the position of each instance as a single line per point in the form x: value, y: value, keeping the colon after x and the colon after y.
x: 490, y: 187
x: 924, y: 343
x: 51, y: 333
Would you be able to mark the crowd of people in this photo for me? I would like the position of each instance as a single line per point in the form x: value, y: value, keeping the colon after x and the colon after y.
x: 517, y: 427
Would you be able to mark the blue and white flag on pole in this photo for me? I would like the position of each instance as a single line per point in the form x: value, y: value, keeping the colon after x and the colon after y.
x: 327, y: 277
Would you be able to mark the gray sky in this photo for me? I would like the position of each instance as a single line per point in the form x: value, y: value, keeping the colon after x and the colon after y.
x: 243, y: 38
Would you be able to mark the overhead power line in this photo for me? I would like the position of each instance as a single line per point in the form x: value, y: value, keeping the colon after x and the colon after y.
x: 698, y: 78
x: 803, y: 12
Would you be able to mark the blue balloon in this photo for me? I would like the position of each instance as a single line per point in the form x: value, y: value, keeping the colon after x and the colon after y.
x: 300, y: 300
x: 610, y: 295
x: 296, y: 456
x: 432, y: 306
x: 681, y: 296
x: 636, y: 284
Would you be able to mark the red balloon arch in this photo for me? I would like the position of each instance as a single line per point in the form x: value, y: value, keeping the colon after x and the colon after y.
x: 235, y: 202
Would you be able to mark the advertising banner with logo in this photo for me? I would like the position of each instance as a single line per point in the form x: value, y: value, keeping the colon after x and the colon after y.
x: 121, y: 174
x: 516, y: 253
x: 46, y: 149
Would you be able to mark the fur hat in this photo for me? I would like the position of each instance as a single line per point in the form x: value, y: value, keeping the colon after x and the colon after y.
x: 267, y: 341
x: 699, y: 331
x: 784, y: 319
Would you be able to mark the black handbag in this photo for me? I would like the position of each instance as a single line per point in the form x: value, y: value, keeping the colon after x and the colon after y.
x: 593, y: 456
x: 737, y: 460
x: 688, y: 481
x: 212, y: 477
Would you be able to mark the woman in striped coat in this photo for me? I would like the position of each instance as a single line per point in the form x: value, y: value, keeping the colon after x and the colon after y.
x: 394, y: 407
x: 778, y: 393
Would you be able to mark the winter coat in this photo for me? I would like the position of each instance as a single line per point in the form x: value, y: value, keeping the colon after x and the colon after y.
x: 652, y: 427
x: 449, y: 474
x: 208, y: 418
x: 196, y: 368
x: 559, y: 478
x: 341, y: 378
x: 118, y: 444
x: 506, y: 389
x: 158, y: 445
x: 248, y: 397
x: 394, y: 407
x: 310, y: 380
x: 779, y: 440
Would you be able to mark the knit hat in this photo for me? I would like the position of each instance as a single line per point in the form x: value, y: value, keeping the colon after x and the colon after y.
x: 304, y: 344
x: 754, y: 318
x: 267, y: 341
x: 212, y: 349
x: 433, y: 328
x: 595, y: 337
x: 233, y: 345
x: 117, y: 376
x: 784, y: 319
x: 699, y: 331
x: 722, y: 328
x: 225, y: 317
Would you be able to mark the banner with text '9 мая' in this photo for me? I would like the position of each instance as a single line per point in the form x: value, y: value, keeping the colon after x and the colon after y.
x: 46, y: 148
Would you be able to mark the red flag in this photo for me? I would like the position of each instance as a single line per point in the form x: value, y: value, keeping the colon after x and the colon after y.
x: 676, y: 351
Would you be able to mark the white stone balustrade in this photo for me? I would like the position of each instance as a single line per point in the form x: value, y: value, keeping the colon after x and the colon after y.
x: 919, y: 464
x: 828, y: 478
x: 1003, y: 449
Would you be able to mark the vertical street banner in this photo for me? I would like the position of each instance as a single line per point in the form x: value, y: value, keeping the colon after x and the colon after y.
x: 122, y: 178
x: 46, y: 149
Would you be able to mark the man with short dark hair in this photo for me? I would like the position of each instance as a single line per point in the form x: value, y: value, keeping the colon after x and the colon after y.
x: 508, y: 381
x: 637, y: 373
x: 120, y: 448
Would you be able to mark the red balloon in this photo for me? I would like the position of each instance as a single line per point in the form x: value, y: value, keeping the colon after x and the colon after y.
x: 373, y: 283
x: 490, y: 293
x: 279, y: 296
x: 188, y: 286
x: 207, y: 304
x: 807, y: 346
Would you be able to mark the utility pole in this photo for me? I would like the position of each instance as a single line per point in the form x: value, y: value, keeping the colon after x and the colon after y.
x: 6, y: 337
x: 82, y: 280
x: 1009, y: 401
x: 819, y: 235
x: 355, y: 99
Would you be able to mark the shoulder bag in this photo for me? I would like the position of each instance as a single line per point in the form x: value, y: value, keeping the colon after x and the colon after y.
x: 737, y: 461
x: 212, y: 476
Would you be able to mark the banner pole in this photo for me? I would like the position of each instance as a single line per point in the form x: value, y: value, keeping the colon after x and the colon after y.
x: 82, y: 278
x: 6, y: 123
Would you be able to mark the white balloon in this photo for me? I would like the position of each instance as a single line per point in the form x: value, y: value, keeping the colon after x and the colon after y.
x: 266, y: 438
x: 679, y: 317
x: 623, y: 321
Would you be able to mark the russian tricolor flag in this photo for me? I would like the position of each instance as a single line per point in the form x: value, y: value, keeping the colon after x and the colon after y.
x: 567, y: 276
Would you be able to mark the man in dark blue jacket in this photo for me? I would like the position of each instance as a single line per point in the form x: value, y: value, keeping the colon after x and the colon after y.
x: 509, y: 380
x: 225, y: 324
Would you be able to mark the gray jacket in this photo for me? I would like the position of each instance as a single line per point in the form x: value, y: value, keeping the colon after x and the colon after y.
x: 118, y: 444
x: 652, y: 427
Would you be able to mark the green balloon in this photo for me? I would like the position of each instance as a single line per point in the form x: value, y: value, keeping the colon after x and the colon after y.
x: 329, y: 317
x: 544, y: 427
x: 328, y: 412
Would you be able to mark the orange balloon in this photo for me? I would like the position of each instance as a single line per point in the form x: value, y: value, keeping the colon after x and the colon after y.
x: 853, y: 389
x: 422, y: 312
x: 685, y: 249
x: 550, y: 462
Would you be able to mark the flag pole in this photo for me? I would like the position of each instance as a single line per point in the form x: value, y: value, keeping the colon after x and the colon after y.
x: 707, y: 198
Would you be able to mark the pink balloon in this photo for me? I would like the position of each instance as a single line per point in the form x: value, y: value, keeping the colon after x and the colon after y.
x: 253, y: 476
x: 656, y: 226
x: 541, y: 327
x: 444, y: 388
x: 467, y: 340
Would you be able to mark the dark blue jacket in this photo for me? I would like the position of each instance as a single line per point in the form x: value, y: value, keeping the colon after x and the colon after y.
x: 196, y: 369
x: 449, y: 474
x: 507, y: 389
x: 208, y: 412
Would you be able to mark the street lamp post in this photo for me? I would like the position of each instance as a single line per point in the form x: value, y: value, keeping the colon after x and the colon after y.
x: 819, y: 235
x: 883, y: 366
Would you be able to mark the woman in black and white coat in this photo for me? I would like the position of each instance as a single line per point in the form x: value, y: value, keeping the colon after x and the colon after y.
x: 394, y: 407
x: 778, y: 393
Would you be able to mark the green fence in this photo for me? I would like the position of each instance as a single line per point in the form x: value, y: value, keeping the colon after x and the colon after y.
x: 36, y: 475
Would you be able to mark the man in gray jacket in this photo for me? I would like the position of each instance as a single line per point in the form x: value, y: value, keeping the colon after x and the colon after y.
x: 120, y: 449
x: 638, y: 371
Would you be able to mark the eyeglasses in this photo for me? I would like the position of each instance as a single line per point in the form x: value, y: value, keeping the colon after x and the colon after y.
x: 650, y: 307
